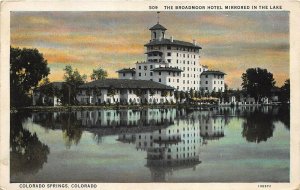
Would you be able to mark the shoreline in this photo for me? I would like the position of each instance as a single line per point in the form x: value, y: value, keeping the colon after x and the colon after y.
x: 122, y: 107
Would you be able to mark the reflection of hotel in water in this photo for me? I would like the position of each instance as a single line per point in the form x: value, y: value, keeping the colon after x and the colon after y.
x: 211, y: 126
x: 177, y: 146
x: 127, y: 118
x: 172, y: 147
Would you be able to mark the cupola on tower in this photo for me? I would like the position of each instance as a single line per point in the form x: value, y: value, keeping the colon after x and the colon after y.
x: 157, y: 32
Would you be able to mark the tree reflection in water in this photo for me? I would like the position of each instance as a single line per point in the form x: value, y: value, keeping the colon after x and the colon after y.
x: 66, y: 121
x: 27, y: 153
x: 259, y: 124
x: 71, y: 129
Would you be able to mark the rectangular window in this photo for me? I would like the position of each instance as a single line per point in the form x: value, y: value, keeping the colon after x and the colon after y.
x: 221, y: 82
x: 159, y: 73
x: 169, y: 80
x: 124, y: 74
x: 177, y: 53
x: 206, y: 88
x: 145, y: 68
x: 206, y: 76
x: 168, y: 47
x: 140, y: 74
x: 159, y: 80
x: 188, y: 62
x: 183, y: 81
x: 214, y: 82
x: 206, y: 82
x: 169, y: 60
x: 177, y: 80
x: 151, y: 66
x: 140, y: 67
x: 151, y: 73
x: 169, y: 73
x: 169, y: 54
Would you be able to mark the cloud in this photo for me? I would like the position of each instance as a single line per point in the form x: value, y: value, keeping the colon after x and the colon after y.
x: 231, y: 41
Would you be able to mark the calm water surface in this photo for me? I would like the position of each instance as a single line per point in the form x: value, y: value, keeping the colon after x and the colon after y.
x: 247, y: 144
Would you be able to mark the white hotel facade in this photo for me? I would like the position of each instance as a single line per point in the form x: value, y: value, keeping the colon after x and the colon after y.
x: 173, y: 63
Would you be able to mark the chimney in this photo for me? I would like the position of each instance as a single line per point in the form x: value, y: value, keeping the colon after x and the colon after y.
x: 171, y: 38
x: 194, y: 42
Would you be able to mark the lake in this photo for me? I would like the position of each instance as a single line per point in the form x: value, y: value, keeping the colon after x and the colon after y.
x: 245, y: 144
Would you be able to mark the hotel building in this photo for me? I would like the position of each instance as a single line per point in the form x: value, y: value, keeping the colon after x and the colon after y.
x: 170, y: 62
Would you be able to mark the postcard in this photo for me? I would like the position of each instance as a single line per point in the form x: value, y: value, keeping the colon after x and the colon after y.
x: 148, y: 94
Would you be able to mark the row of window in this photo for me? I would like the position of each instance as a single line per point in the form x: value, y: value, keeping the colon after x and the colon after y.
x: 215, y: 76
x: 188, y: 62
x: 174, y: 48
x: 132, y: 74
x: 215, y: 89
x: 183, y: 81
x: 182, y: 55
x: 188, y: 88
x: 219, y: 82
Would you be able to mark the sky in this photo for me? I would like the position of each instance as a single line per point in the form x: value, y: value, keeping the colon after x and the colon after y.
x: 231, y: 41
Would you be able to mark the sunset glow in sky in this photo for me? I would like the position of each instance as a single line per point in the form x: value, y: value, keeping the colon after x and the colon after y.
x: 230, y: 41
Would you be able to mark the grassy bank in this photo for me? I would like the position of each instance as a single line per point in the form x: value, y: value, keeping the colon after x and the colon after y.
x: 80, y: 108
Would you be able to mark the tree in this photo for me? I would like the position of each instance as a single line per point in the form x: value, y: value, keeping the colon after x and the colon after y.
x: 213, y: 93
x: 192, y: 93
x: 50, y: 90
x: 27, y: 68
x: 182, y: 95
x: 285, y: 91
x: 177, y: 95
x: 99, y: 74
x: 73, y: 80
x: 111, y: 91
x: 202, y: 92
x: 164, y: 93
x: 258, y: 82
x: 226, y: 94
